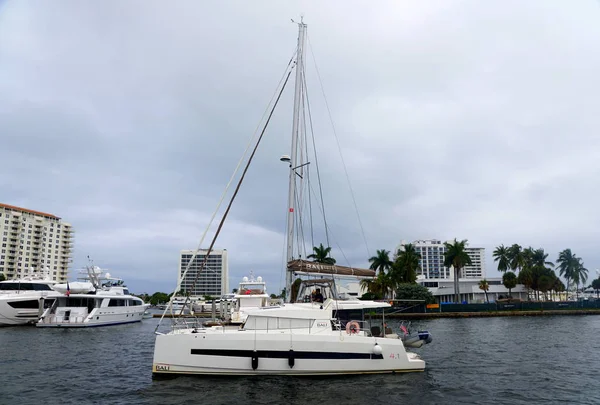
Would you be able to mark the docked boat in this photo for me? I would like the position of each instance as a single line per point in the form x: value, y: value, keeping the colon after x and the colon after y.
x: 108, y: 304
x: 22, y: 300
x: 251, y: 294
x: 314, y: 332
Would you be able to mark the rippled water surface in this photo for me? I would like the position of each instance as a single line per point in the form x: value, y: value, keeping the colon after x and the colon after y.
x: 521, y: 360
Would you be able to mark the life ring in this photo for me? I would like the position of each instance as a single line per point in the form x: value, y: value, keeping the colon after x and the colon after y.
x: 352, y: 327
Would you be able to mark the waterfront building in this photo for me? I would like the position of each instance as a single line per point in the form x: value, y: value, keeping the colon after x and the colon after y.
x: 34, y: 241
x: 443, y: 290
x: 432, y: 260
x: 212, y: 281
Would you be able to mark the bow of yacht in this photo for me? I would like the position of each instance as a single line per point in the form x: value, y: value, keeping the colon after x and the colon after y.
x: 21, y: 299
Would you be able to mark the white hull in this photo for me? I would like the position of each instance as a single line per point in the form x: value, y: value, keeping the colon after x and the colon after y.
x: 98, y: 317
x: 220, y: 352
x: 17, y: 309
x: 92, y: 310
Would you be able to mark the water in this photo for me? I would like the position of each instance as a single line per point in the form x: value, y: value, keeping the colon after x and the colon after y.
x: 507, y: 360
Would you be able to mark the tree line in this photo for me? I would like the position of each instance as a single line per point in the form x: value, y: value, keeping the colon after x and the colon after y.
x: 537, y: 273
x: 527, y: 266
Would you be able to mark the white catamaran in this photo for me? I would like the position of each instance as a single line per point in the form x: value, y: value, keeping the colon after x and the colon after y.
x: 316, y: 334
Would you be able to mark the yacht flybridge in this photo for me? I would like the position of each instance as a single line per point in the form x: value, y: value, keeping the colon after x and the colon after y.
x: 251, y: 294
x: 314, y: 332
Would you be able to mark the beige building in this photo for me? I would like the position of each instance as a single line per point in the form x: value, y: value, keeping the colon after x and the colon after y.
x: 214, y: 278
x: 34, y: 241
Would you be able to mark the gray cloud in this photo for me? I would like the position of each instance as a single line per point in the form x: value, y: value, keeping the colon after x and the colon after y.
x: 455, y: 119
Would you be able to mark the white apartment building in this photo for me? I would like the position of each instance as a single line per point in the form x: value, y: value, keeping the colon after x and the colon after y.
x: 214, y: 278
x: 432, y: 260
x: 34, y: 241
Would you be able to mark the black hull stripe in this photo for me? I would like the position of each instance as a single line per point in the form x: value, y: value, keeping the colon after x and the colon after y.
x: 280, y: 354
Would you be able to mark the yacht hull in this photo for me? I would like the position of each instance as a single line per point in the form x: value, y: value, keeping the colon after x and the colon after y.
x: 21, y: 309
x: 279, y: 353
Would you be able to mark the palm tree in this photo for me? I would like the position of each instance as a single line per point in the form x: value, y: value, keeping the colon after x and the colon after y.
x: 381, y: 261
x: 485, y: 286
x: 545, y: 283
x: 501, y: 256
x: 558, y: 286
x: 379, y: 286
x: 456, y: 256
x: 539, y: 258
x: 596, y: 286
x: 509, y: 279
x: 566, y: 265
x: 526, y: 278
x: 516, y: 257
x: 580, y: 274
x: 321, y: 255
x: 406, y: 265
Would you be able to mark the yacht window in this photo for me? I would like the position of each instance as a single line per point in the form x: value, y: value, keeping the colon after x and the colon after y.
x: 25, y: 304
x: 116, y: 303
x: 16, y: 286
x: 125, y: 291
x: 42, y: 287
x: 133, y: 303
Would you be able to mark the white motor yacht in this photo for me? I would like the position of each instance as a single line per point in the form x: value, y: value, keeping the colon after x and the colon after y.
x: 109, y: 304
x: 21, y: 299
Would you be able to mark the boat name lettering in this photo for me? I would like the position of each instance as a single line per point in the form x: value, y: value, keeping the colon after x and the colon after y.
x: 317, y: 266
x: 321, y: 324
x: 162, y: 367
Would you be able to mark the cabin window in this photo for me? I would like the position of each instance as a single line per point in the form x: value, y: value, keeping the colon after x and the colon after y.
x: 133, y: 303
x: 116, y: 303
x: 42, y: 287
x: 268, y: 323
x: 125, y: 291
x: 12, y: 286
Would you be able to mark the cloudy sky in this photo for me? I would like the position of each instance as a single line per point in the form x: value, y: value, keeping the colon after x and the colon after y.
x: 469, y: 119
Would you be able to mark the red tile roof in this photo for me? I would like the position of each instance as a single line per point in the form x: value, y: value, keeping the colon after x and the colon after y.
x: 14, y: 208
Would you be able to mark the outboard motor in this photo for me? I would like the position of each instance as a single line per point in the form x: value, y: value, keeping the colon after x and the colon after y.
x: 425, y: 335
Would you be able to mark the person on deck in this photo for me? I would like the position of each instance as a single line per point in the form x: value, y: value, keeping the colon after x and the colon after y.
x: 318, y: 296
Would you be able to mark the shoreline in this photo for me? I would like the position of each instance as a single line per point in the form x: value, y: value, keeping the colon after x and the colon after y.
x: 483, y: 314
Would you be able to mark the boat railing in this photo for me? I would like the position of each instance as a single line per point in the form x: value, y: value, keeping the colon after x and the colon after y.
x: 187, y: 323
x: 60, y: 319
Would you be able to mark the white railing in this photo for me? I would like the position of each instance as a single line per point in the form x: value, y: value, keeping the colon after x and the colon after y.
x: 59, y: 319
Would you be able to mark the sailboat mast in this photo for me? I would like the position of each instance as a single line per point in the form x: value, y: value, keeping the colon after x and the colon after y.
x: 293, y: 155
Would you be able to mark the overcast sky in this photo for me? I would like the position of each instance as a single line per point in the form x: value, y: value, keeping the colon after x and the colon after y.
x: 469, y: 119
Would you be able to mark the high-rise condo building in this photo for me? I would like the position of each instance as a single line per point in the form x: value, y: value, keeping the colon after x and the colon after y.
x: 432, y: 260
x: 34, y: 242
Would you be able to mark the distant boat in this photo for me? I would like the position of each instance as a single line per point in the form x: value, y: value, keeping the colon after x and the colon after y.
x: 108, y: 304
x: 251, y: 294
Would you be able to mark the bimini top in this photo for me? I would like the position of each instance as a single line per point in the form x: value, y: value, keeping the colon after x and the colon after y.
x: 308, y: 267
